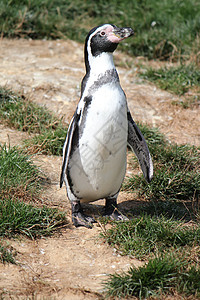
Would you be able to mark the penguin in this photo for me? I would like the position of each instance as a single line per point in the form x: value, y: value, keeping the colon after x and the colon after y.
x: 94, y: 152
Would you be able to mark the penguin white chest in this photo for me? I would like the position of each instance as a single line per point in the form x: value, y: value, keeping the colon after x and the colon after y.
x: 100, y: 158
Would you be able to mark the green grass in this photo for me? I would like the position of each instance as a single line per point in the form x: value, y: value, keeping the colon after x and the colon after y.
x: 176, y: 171
x: 178, y: 80
x: 172, y: 250
x: 178, y: 210
x: 188, y: 101
x: 7, y: 254
x: 20, y: 182
x: 146, y: 235
x: 19, y: 113
x: 48, y: 142
x: 18, y: 175
x: 163, y: 28
x: 18, y: 217
x: 24, y: 115
x: 161, y: 275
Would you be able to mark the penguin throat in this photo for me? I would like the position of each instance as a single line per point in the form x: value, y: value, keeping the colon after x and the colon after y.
x: 101, y: 63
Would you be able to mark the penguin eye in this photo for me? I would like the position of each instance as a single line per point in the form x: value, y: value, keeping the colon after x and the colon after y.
x: 102, y: 33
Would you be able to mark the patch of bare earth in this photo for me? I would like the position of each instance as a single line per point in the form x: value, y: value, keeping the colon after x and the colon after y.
x: 73, y: 263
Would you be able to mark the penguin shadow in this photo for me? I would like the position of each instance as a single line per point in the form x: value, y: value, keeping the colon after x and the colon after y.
x: 129, y: 208
x: 178, y: 210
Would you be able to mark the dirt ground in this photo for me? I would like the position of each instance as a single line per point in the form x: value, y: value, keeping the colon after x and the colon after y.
x: 73, y: 263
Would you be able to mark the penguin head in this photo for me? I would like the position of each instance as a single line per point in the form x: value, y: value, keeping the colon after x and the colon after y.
x: 105, y: 38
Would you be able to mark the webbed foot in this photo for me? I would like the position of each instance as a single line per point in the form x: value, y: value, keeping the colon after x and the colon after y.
x: 112, y: 211
x: 79, y: 218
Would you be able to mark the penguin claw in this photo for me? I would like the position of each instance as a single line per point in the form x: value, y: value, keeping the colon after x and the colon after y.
x: 117, y: 216
x: 111, y: 210
x: 79, y: 219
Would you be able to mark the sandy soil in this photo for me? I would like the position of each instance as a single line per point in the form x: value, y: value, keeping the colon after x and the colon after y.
x: 73, y: 263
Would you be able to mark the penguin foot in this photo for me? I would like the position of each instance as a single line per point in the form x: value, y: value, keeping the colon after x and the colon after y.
x: 79, y: 218
x: 112, y: 211
x: 117, y: 216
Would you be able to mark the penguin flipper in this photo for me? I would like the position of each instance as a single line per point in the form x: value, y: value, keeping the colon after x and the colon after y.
x: 67, y: 145
x: 138, y: 145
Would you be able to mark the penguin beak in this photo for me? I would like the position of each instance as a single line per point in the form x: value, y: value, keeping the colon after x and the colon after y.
x: 122, y: 33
